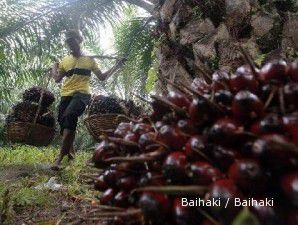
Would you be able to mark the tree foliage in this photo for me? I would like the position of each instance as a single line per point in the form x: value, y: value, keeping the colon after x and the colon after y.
x: 133, y: 40
x: 31, y: 37
x: 31, y: 40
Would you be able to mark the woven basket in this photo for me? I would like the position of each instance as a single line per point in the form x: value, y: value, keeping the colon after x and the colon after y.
x: 98, y: 125
x: 30, y: 133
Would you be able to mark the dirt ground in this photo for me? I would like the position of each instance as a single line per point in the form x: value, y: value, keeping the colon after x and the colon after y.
x: 13, y: 173
x: 64, y: 209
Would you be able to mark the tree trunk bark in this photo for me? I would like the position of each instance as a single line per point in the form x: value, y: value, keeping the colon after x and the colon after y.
x: 205, y: 34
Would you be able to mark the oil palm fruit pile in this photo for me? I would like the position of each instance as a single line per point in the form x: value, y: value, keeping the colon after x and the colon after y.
x: 233, y: 139
x: 106, y: 105
x: 131, y: 109
x: 33, y: 95
x: 26, y: 110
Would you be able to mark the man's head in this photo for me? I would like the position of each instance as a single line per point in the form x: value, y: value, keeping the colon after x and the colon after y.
x: 73, y: 41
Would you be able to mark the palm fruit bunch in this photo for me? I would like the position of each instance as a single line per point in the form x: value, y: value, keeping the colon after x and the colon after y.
x: 10, y: 119
x: 26, y: 110
x: 33, y: 95
x: 231, y: 139
x: 104, y: 105
x: 131, y: 108
x: 47, y: 119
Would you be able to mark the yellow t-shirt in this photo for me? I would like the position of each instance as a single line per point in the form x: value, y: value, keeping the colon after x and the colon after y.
x: 78, y: 73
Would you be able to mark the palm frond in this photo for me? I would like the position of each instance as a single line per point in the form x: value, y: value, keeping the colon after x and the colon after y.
x: 30, y: 36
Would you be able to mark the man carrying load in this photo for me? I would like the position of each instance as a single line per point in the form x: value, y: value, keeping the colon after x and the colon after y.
x: 75, y: 72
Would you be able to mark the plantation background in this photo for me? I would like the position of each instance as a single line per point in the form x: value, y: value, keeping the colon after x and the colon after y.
x: 32, y: 40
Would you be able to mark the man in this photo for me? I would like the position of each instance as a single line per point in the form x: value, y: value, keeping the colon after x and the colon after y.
x: 76, y: 70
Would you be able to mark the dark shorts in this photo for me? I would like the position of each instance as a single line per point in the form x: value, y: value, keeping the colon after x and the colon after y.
x: 70, y: 109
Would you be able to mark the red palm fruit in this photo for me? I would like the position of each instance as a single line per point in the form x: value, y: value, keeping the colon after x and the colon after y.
x: 292, y: 218
x: 290, y: 122
x: 266, y: 91
x: 156, y: 166
x: 159, y: 124
x: 248, y: 175
x: 266, y: 214
x: 111, y: 176
x: 194, y: 147
x: 127, y: 183
x: 152, y: 179
x: 100, y: 184
x: 269, y: 137
x: 200, y: 85
x: 141, y: 128
x: 291, y: 96
x: 122, y: 129
x: 293, y: 71
x: 131, y: 137
x: 107, y: 197
x: 273, y: 156
x: 203, y: 173
x: 121, y: 199
x: 146, y: 140
x: 272, y: 123
x: 275, y: 70
x: 172, y: 137
x: 243, y: 79
x: 201, y: 111
x: 159, y: 110
x: 183, y: 215
x: 104, y: 151
x: 255, y: 127
x: 247, y: 106
x: 186, y: 126
x: 155, y: 206
x: 220, y: 80
x: 178, y: 99
x: 289, y: 185
x: 223, y: 98
x: 174, y: 167
x: 224, y: 157
x: 223, y: 131
x: 224, y: 190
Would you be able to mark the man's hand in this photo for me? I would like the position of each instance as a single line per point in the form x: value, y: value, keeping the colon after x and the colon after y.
x: 54, y: 70
x: 103, y: 76
x: 56, y: 74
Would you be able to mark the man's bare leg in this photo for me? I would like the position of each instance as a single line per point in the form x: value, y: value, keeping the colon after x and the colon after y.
x: 72, y: 153
x: 67, y: 143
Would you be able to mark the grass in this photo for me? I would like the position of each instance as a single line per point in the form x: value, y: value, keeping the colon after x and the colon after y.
x: 28, y: 162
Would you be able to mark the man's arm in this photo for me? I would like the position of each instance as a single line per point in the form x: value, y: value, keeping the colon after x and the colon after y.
x: 104, y: 76
x: 56, y: 73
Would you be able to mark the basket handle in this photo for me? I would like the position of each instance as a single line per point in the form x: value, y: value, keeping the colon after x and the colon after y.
x: 90, y: 104
x: 40, y: 100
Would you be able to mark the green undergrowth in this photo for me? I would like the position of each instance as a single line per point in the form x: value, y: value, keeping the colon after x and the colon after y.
x: 22, y: 168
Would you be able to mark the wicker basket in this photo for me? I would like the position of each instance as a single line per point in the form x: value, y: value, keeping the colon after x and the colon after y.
x: 30, y: 133
x: 98, y: 125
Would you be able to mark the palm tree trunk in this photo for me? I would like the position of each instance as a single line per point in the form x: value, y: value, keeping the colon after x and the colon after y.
x: 204, y: 34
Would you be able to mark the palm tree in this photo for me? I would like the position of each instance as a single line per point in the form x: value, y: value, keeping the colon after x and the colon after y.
x: 204, y: 34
